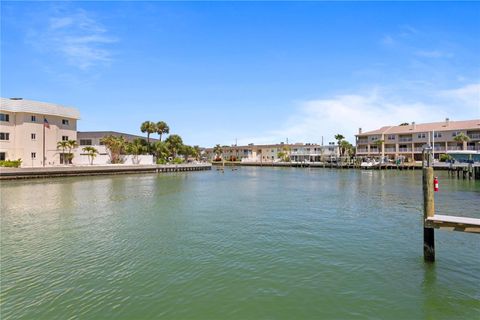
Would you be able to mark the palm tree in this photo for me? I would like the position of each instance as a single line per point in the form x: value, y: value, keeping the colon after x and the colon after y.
x: 135, y: 148
x: 196, y: 152
x: 148, y: 127
x: 218, y: 151
x: 161, y: 151
x: 162, y: 128
x: 115, y: 146
x: 71, y: 144
x: 91, y: 153
x: 174, y: 142
x: 462, y: 138
x: 62, y: 145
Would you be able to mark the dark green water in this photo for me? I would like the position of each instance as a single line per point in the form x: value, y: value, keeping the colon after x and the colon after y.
x: 257, y: 243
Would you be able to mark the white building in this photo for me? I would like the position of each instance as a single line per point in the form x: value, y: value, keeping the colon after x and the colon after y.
x: 30, y: 131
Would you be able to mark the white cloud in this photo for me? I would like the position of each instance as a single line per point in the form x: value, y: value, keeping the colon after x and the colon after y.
x: 468, y: 95
x: 78, y: 38
x: 346, y: 113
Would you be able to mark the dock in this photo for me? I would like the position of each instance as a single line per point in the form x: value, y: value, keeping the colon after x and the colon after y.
x: 72, y: 171
x: 431, y: 220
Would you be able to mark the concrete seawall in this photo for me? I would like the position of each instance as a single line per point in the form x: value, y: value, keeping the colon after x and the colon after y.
x: 50, y: 172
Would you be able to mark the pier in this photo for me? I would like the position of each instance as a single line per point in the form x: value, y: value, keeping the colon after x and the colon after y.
x: 67, y: 171
x: 431, y: 220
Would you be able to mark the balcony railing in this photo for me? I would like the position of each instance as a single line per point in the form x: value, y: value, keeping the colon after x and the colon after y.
x: 361, y: 150
x: 405, y: 149
x: 362, y: 141
x: 390, y: 149
x: 474, y: 135
x: 439, y: 148
x: 405, y: 139
x: 473, y: 148
x: 454, y: 148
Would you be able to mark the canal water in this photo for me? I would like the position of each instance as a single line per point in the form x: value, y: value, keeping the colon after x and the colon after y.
x: 254, y: 243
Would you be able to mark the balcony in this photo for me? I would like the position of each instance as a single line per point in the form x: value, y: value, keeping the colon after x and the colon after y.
x: 405, y: 149
x: 361, y: 150
x: 405, y: 139
x: 390, y: 150
x: 475, y: 136
x: 454, y: 148
x: 473, y: 148
x: 439, y: 149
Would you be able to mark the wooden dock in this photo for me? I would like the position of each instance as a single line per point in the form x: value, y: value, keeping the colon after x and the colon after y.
x: 72, y: 171
x: 432, y: 221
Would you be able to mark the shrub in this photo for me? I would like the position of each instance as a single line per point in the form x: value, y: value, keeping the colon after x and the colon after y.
x: 177, y: 161
x: 445, y: 157
x: 161, y: 161
x: 11, y: 163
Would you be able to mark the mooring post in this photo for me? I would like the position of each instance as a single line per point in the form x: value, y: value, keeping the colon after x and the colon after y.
x: 428, y: 206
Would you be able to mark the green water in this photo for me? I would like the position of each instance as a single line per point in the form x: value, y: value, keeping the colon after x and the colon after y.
x: 256, y: 243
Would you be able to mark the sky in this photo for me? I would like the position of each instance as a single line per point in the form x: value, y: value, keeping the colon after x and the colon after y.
x: 246, y: 72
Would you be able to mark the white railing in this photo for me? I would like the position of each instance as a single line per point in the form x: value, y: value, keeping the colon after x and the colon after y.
x: 362, y: 141
x: 454, y: 148
x: 474, y: 135
x: 390, y: 150
x: 405, y: 149
x: 405, y: 139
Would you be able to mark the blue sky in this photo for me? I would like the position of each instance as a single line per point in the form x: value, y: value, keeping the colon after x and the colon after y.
x: 258, y: 72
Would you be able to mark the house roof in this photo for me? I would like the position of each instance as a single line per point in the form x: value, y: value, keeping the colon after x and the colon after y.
x: 31, y: 106
x: 101, y: 134
x: 426, y: 127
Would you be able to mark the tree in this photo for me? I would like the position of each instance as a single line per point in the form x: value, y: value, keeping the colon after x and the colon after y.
x: 148, y: 127
x: 63, y: 145
x: 284, y: 155
x: 162, y: 128
x: 379, y: 144
x: 115, y: 147
x: 91, y: 153
x: 161, y: 151
x: 218, y: 151
x: 345, y: 148
x: 461, y: 138
x: 174, y: 142
x: 71, y: 144
x: 196, y: 152
x: 135, y: 148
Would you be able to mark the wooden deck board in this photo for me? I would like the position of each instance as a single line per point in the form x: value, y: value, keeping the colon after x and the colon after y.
x: 454, y: 223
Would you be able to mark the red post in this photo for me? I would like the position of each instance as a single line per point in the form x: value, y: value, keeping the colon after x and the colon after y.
x: 435, y: 184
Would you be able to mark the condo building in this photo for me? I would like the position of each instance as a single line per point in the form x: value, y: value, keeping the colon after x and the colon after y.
x: 407, y: 141
x: 297, y: 152
x: 30, y: 130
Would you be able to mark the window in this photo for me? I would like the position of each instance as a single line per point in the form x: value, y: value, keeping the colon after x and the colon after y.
x: 33, y: 136
x: 33, y: 155
x: 64, y: 138
x: 65, y: 122
x: 391, y: 137
x: 85, y: 142
x: 374, y: 138
x: 456, y: 133
x: 33, y: 118
x: 422, y: 135
x: 4, y: 117
x: 4, y: 136
x: 2, y: 156
x: 437, y: 135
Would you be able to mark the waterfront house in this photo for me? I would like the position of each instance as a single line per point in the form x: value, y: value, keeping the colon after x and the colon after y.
x: 406, y: 141
x: 30, y: 130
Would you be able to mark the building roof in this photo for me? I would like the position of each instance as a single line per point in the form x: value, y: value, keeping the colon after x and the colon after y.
x: 30, y: 106
x: 101, y: 134
x: 426, y: 127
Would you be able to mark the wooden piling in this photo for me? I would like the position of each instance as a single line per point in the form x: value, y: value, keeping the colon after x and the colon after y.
x: 428, y: 211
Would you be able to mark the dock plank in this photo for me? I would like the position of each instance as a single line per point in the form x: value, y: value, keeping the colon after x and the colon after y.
x: 454, y: 223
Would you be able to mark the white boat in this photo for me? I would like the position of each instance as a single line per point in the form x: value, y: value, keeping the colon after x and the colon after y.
x: 369, y: 164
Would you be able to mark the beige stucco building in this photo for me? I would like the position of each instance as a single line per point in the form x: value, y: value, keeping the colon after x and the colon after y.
x: 296, y: 152
x: 25, y: 135
x: 407, y: 141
